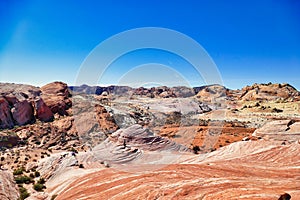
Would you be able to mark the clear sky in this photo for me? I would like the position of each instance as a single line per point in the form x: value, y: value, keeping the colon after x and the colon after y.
x: 250, y: 41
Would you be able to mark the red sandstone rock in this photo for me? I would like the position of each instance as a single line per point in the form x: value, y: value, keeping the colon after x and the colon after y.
x: 43, y: 112
x: 22, y: 113
x: 6, y: 120
x: 56, y: 96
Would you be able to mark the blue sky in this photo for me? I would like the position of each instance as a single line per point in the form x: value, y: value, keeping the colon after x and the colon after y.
x: 250, y: 41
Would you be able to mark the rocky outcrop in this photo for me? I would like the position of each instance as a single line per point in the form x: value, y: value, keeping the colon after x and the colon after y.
x: 6, y: 120
x: 211, y: 93
x: 56, y: 97
x: 106, y: 121
x: 22, y: 113
x: 16, y: 104
x: 43, y: 112
x: 8, y: 188
x: 21, y: 104
x: 133, y: 143
x: 269, y: 92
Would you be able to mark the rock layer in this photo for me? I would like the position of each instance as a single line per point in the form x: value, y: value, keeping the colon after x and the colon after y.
x: 262, y: 170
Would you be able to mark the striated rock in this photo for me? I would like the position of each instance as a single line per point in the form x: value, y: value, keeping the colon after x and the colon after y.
x: 135, y: 143
x: 281, y: 130
x: 43, y: 112
x: 6, y: 120
x: 56, y: 96
x: 22, y: 113
x: 237, y: 171
x: 8, y: 188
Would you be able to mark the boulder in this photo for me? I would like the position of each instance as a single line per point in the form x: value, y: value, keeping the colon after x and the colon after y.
x: 43, y: 112
x: 6, y: 120
x: 22, y: 113
x: 56, y: 96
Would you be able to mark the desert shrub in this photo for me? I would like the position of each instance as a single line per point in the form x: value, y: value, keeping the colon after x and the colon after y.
x: 196, y: 149
x: 41, y: 181
x: 23, y: 193
x: 277, y: 110
x: 38, y: 187
x: 31, y: 175
x: 81, y: 166
x: 73, y: 150
x: 37, y: 142
x: 23, y: 179
x: 18, y: 171
x: 37, y: 174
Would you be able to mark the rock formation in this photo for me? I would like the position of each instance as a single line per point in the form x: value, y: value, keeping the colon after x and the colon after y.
x: 6, y: 120
x: 56, y: 97
x: 269, y: 92
x: 43, y: 112
x: 22, y: 112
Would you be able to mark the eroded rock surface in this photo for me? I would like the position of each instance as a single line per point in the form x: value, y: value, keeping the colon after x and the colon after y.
x: 280, y: 130
x: 8, y: 188
x: 6, y: 120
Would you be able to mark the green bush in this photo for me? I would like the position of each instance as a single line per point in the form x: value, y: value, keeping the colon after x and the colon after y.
x: 31, y: 175
x: 18, y: 171
x: 23, y: 193
x: 23, y: 179
x: 41, y: 181
x: 38, y: 187
x: 37, y: 174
